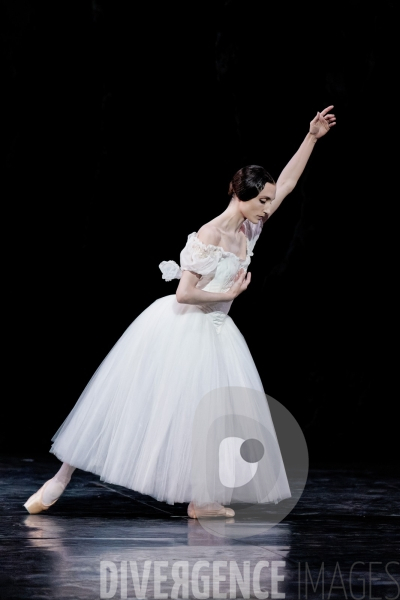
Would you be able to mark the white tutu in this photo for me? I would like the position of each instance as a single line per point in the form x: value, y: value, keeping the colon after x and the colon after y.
x: 133, y: 423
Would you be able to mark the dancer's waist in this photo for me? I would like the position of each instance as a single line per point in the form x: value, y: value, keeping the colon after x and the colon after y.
x: 216, y: 307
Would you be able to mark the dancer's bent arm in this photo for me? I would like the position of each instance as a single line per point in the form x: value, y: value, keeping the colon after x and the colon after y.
x: 188, y: 293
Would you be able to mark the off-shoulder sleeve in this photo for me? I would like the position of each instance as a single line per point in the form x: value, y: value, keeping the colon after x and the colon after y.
x: 252, y: 232
x: 199, y: 257
x: 196, y: 256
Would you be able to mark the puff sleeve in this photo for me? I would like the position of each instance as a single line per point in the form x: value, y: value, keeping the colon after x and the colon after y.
x: 199, y: 257
x: 196, y: 256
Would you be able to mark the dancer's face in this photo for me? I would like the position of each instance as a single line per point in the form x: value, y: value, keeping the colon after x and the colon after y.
x: 260, y: 206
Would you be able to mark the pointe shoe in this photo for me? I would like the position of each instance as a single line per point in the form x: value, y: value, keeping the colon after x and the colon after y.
x: 222, y: 512
x: 34, y: 504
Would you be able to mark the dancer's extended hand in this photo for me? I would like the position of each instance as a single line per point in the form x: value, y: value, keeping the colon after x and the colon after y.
x: 240, y: 284
x: 322, y: 123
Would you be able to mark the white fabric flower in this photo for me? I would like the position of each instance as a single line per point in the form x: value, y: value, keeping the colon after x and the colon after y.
x: 170, y: 270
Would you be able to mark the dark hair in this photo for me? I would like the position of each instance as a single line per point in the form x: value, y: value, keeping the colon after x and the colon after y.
x: 249, y: 181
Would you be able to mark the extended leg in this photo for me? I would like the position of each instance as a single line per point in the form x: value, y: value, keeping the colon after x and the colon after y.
x: 57, y: 484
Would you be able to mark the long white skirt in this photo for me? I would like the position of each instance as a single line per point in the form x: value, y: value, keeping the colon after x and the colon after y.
x: 134, y: 423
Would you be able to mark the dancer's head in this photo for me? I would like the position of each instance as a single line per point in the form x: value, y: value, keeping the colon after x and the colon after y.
x: 254, y: 189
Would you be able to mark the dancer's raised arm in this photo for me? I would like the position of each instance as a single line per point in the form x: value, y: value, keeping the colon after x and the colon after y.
x: 290, y: 175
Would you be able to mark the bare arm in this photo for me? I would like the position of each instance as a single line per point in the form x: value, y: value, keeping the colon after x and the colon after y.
x: 188, y: 293
x: 290, y: 175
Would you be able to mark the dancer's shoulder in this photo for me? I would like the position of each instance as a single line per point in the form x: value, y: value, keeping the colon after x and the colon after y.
x: 209, y: 234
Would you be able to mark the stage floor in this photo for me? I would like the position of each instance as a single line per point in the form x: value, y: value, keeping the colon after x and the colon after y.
x: 341, y: 540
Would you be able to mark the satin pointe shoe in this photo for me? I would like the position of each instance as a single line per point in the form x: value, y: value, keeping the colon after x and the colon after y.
x: 35, y: 505
x: 210, y: 512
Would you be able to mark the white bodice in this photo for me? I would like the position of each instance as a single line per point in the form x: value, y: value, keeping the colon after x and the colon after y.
x: 217, y: 267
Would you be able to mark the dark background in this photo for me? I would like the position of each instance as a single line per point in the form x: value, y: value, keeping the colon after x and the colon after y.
x: 122, y: 125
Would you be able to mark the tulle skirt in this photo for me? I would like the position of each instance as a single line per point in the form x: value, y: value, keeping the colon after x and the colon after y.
x: 156, y: 416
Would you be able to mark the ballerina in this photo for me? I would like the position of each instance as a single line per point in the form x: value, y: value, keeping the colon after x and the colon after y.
x: 133, y: 423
